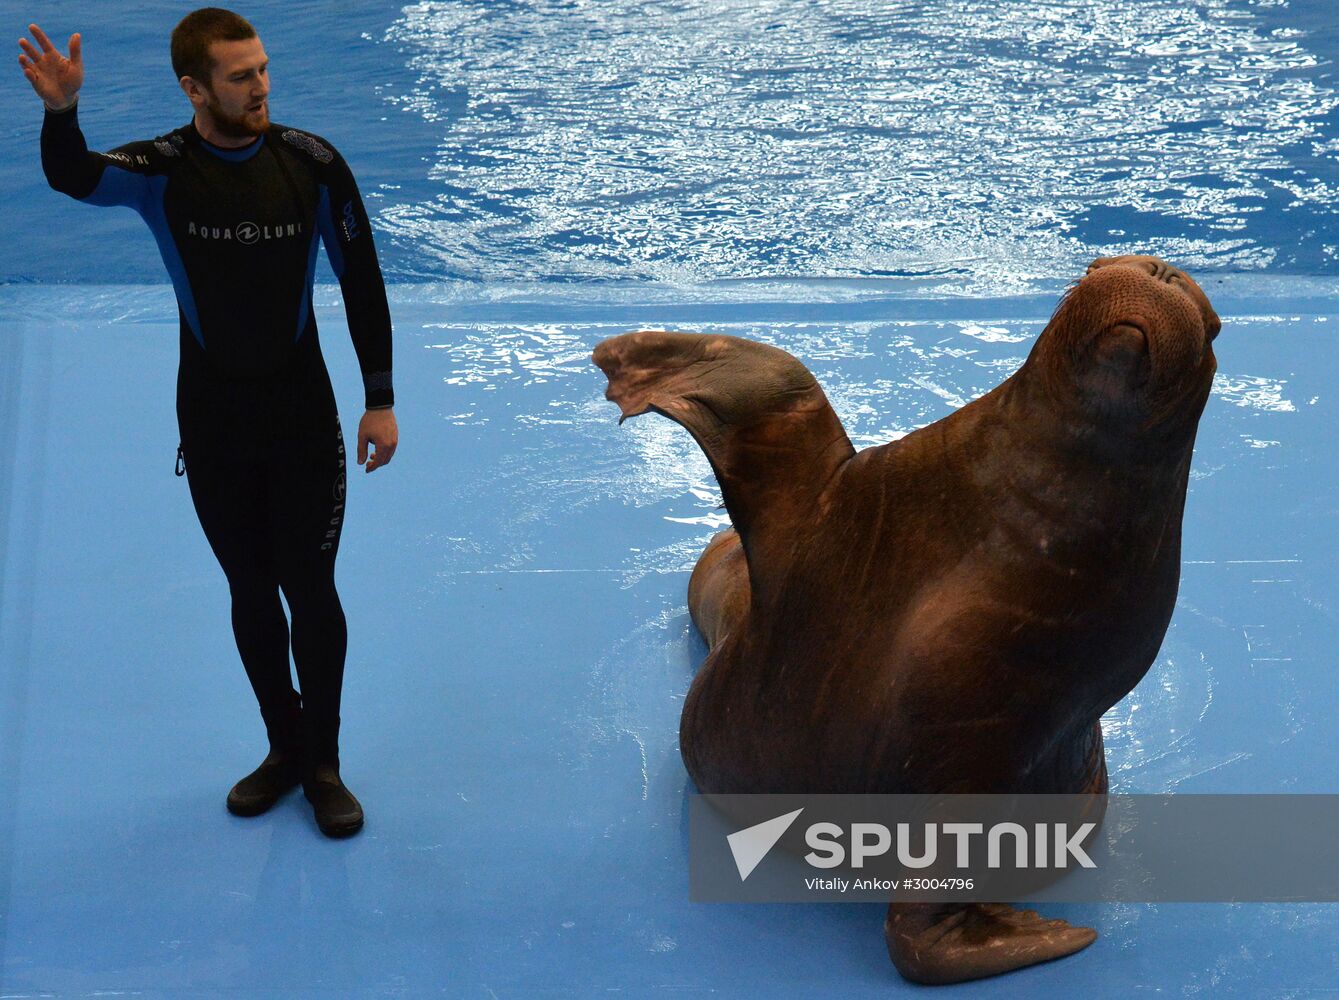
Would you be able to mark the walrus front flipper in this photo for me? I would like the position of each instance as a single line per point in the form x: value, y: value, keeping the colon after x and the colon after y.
x: 766, y: 427
x: 718, y: 590
x: 954, y: 942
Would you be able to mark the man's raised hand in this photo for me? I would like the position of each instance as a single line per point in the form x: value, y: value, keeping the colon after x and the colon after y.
x: 56, y: 79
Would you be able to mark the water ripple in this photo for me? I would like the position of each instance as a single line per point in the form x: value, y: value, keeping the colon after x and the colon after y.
x: 982, y: 143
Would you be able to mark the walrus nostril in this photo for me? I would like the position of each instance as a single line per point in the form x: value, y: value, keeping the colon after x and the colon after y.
x: 1156, y: 268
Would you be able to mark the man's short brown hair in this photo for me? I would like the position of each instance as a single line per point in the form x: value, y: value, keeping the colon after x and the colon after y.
x: 197, y: 31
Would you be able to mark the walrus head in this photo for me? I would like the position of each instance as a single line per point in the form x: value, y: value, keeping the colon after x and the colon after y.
x: 1130, y: 344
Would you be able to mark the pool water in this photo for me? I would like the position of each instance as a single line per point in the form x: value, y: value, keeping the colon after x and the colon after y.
x: 961, y: 146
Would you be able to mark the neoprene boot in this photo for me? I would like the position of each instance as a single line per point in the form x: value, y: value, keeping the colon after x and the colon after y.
x: 280, y: 772
x: 338, y: 813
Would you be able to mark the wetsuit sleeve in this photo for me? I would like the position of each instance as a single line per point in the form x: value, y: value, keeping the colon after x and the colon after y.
x: 96, y: 178
x: 347, y: 235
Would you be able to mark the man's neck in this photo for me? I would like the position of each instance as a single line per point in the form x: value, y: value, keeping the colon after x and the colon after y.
x: 204, y: 124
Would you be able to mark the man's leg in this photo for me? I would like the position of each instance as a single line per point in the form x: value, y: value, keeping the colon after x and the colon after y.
x: 306, y: 510
x: 230, y: 497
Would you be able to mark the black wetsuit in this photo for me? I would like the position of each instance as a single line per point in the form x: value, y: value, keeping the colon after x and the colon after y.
x: 261, y: 440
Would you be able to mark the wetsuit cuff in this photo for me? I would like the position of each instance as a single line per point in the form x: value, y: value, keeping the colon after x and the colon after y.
x: 377, y: 390
x: 61, y: 112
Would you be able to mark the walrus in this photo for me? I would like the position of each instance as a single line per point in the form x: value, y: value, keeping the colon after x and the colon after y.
x: 951, y: 612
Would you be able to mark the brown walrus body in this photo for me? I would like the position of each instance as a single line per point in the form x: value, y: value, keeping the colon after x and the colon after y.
x: 951, y: 612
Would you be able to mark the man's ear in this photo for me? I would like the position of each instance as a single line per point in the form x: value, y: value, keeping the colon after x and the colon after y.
x: 194, y: 92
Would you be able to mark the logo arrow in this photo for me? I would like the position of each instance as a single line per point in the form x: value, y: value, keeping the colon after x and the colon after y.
x: 750, y: 845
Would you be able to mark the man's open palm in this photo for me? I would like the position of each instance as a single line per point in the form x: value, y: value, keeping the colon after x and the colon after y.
x: 56, y: 79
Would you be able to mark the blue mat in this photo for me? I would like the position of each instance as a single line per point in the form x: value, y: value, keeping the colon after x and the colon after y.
x: 519, y: 652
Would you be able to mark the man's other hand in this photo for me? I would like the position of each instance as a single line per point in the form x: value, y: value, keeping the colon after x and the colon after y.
x: 378, y: 427
x: 55, y: 78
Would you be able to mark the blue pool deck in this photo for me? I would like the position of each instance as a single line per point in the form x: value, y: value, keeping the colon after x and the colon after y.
x: 520, y: 649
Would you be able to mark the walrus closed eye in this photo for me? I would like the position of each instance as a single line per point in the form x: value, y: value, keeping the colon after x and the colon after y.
x: 951, y: 612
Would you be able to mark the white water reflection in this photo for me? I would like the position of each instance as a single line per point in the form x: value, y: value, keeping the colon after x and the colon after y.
x: 534, y: 384
x: 982, y: 143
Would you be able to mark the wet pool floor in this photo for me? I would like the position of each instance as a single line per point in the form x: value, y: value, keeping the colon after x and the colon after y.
x: 519, y: 652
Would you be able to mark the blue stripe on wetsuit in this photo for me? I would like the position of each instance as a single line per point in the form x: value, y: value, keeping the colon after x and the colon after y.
x: 325, y: 222
x: 155, y: 214
x: 119, y: 187
x: 144, y: 193
x: 325, y: 225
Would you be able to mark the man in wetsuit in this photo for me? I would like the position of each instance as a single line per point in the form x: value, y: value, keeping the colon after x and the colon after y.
x: 236, y: 203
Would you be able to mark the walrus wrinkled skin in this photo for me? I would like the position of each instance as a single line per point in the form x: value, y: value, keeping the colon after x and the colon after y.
x: 947, y: 613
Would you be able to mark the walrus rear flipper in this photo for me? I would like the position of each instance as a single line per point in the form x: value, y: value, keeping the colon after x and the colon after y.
x: 765, y: 425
